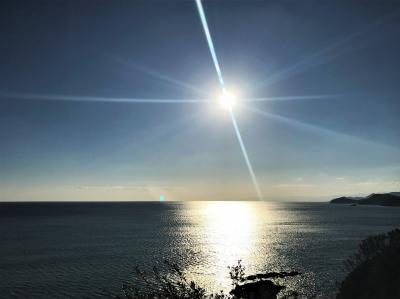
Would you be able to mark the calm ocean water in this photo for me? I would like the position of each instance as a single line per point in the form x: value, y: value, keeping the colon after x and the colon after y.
x: 85, y: 250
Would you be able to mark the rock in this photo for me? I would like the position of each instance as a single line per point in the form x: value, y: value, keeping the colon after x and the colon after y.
x: 269, y: 275
x: 262, y: 289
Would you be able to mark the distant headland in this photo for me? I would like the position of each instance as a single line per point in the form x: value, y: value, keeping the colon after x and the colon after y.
x: 384, y: 199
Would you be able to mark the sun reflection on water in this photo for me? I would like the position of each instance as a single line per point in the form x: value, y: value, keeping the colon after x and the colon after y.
x: 266, y: 236
x: 230, y: 231
x: 218, y: 234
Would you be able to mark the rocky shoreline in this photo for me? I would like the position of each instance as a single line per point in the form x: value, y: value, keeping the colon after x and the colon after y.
x: 386, y: 199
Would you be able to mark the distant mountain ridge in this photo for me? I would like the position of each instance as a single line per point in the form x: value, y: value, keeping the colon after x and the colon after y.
x: 383, y: 199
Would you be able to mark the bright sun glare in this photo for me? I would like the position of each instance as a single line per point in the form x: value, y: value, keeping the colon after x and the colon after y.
x: 227, y: 100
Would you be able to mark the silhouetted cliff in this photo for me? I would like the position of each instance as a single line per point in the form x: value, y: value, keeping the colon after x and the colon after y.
x: 386, y: 199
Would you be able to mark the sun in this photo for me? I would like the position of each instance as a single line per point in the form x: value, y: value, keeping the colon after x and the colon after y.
x: 226, y: 100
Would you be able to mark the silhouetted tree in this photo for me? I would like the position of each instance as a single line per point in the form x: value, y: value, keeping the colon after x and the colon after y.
x: 374, y: 269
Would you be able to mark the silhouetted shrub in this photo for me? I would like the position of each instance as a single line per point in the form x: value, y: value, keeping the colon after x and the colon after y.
x: 237, y: 273
x: 374, y: 269
x: 174, y: 285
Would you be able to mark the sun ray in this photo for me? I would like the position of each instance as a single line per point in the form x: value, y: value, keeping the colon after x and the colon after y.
x: 226, y: 95
x: 245, y: 155
x: 309, y: 127
x: 47, y: 97
x: 301, y: 97
x: 326, y: 54
x: 153, y: 73
x: 145, y: 140
x: 210, y: 42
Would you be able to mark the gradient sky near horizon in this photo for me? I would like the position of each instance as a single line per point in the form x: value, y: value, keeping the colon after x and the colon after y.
x: 341, y: 136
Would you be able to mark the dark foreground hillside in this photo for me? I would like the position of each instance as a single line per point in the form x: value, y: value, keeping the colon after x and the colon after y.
x: 374, y: 269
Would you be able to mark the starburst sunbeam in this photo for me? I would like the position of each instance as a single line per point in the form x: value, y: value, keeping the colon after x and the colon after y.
x: 326, y: 54
x: 309, y: 127
x: 143, y: 142
x: 226, y: 96
x: 294, y: 98
x: 47, y: 97
x: 210, y: 42
x: 245, y: 155
x: 154, y: 73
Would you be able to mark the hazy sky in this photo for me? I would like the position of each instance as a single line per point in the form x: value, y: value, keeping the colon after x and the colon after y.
x: 346, y: 142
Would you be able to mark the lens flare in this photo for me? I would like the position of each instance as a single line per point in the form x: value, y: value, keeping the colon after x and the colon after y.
x: 226, y: 100
x: 246, y: 156
x: 210, y: 42
x: 52, y: 97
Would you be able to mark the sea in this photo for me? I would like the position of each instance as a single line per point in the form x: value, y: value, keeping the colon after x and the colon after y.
x: 90, y: 249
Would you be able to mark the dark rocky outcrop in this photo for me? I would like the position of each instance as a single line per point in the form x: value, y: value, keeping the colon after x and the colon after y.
x: 270, y: 275
x: 385, y: 199
x: 259, y: 286
x: 262, y: 289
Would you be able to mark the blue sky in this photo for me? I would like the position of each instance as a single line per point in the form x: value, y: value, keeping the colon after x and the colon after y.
x: 341, y: 138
